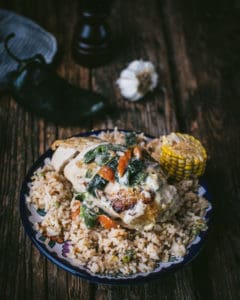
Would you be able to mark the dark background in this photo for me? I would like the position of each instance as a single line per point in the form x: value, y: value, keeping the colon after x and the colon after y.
x: 195, y: 46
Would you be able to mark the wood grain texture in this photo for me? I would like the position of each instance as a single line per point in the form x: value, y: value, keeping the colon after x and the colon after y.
x: 205, y: 50
x: 138, y: 37
x: 195, y: 47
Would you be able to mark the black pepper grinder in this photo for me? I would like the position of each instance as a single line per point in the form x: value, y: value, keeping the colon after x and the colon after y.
x: 91, y: 42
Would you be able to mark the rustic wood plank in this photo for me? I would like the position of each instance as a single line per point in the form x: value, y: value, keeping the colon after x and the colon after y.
x: 19, y: 155
x: 142, y: 37
x: 198, y: 66
x: 204, y: 42
x: 34, y: 136
x: 138, y: 37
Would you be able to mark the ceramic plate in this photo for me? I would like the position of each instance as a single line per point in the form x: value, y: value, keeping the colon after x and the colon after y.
x: 56, y: 252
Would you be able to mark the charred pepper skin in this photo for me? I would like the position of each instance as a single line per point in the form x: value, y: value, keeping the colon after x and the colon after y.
x: 40, y: 90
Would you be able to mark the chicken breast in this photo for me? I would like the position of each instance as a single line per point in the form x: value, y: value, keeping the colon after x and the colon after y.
x: 69, y: 148
x: 61, y: 156
x: 127, y: 184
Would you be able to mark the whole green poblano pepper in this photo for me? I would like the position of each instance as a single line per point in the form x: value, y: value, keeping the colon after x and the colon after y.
x: 42, y: 91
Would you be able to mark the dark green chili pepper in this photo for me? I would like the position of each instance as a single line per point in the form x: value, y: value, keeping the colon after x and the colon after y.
x: 90, y: 218
x: 91, y: 154
x: 40, y: 90
x: 96, y: 183
x: 130, y: 139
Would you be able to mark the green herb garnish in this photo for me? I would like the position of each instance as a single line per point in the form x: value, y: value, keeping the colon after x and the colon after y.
x: 91, y: 155
x: 113, y: 163
x: 103, y: 158
x: 41, y: 212
x: 89, y: 173
x: 135, y: 172
x: 90, y: 218
x: 129, y: 255
x: 57, y: 204
x: 101, y: 153
x: 81, y: 196
x: 172, y: 258
x: 140, y: 177
x: 98, y: 183
x: 200, y: 226
x: 51, y: 243
x: 130, y: 139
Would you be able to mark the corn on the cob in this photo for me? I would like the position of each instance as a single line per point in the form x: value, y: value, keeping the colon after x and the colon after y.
x: 182, y: 156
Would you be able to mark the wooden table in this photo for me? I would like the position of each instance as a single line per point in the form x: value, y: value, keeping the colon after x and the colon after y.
x: 195, y: 46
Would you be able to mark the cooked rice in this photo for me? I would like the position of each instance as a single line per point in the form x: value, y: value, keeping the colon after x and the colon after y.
x: 107, y: 251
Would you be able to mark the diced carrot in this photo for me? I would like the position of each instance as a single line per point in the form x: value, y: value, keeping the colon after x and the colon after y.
x: 107, y: 173
x: 123, y: 162
x: 107, y: 222
x: 137, y: 152
x: 56, y: 239
x: 75, y: 213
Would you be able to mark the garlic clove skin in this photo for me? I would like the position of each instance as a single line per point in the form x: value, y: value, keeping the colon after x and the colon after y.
x: 129, y: 88
x: 154, y: 81
x: 137, y: 80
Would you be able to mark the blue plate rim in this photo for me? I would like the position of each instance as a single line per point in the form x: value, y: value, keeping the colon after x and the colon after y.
x: 193, y: 251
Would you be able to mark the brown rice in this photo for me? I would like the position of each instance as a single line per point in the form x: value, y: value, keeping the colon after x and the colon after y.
x: 107, y: 251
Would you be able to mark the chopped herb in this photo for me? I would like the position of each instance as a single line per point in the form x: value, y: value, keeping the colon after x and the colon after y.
x: 101, y: 153
x: 129, y: 255
x: 51, y: 243
x: 90, y: 218
x: 81, y: 196
x: 102, y: 159
x: 134, y: 168
x: 42, y: 173
x: 41, y: 212
x: 98, y: 183
x: 113, y: 163
x: 198, y: 228
x: 42, y: 238
x: 57, y: 204
x: 131, y: 139
x: 91, y: 155
x: 89, y: 173
x: 118, y: 147
x: 134, y: 173
x: 140, y: 177
x: 172, y: 258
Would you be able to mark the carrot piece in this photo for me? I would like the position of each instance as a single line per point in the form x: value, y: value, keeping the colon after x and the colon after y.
x: 107, y: 222
x: 137, y: 152
x: 57, y: 239
x: 107, y: 173
x: 75, y: 213
x: 123, y: 162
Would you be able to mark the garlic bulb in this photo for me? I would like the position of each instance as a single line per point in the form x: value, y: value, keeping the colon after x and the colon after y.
x: 137, y: 80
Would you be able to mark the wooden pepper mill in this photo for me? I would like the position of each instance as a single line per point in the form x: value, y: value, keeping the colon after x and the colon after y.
x: 91, y: 42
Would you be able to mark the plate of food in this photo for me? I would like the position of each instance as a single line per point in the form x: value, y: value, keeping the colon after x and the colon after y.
x: 117, y: 206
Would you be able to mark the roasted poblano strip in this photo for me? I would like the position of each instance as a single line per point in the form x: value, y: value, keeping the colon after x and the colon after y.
x: 97, y: 183
x: 90, y: 218
x: 39, y: 89
x: 101, y: 153
x: 81, y: 196
x: 129, y: 255
x: 138, y: 178
x: 131, y: 139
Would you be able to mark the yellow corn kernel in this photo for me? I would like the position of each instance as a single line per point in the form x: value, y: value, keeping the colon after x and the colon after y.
x: 182, y: 156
